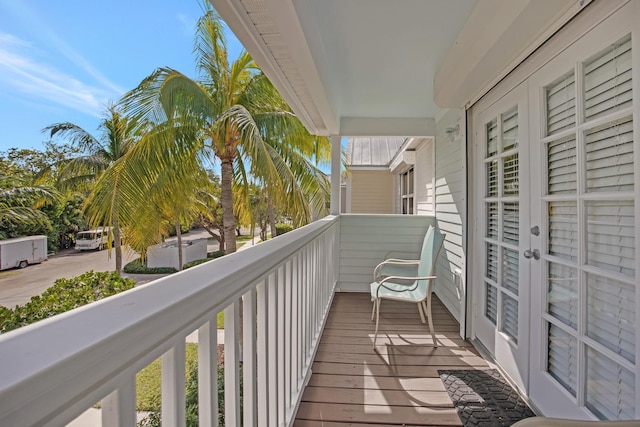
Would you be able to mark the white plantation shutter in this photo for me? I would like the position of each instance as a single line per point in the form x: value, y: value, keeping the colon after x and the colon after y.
x: 561, y: 104
x: 511, y: 181
x: 591, y: 256
x: 511, y: 222
x: 510, y: 129
x: 562, y: 293
x: 610, y: 235
x: 492, y: 262
x: 491, y: 303
x: 492, y: 220
x: 562, y: 166
x: 607, y: 80
x: 492, y: 138
x: 510, y: 268
x: 563, y: 230
x: 611, y: 314
x: 510, y: 316
x: 492, y: 178
x: 610, y: 389
x: 610, y: 157
x: 562, y: 359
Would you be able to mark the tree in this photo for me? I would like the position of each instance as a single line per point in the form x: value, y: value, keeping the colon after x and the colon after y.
x: 19, y: 206
x: 234, y: 114
x: 116, y: 139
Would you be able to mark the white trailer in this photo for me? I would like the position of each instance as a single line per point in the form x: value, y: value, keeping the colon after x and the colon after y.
x: 22, y: 251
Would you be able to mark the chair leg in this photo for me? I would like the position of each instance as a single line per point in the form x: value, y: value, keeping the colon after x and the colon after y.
x: 377, y: 307
x: 427, y: 308
x: 373, y: 310
x: 421, y: 311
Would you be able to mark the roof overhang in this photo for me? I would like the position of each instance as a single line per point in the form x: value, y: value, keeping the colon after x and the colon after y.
x: 385, y: 68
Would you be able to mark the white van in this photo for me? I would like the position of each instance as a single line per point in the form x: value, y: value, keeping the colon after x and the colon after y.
x: 94, y: 239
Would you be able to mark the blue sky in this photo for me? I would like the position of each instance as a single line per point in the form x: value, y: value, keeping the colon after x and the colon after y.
x: 64, y: 60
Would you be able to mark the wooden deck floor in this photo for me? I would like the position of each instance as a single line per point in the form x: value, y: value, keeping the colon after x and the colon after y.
x: 396, y: 385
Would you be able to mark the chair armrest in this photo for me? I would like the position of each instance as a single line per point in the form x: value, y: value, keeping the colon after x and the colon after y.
x: 398, y: 262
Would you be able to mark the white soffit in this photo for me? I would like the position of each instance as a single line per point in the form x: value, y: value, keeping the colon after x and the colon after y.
x: 368, y: 67
x: 352, y: 67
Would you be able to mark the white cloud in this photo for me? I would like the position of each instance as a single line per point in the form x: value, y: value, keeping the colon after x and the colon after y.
x: 188, y: 23
x: 23, y: 73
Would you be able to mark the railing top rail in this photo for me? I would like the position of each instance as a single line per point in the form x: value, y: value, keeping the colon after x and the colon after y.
x: 78, y: 354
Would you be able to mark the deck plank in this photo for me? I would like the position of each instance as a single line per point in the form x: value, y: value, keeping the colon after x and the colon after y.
x: 395, y: 385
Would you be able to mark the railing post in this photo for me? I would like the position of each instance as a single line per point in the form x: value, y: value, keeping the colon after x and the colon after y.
x: 119, y: 407
x: 208, y: 374
x: 173, y: 383
x: 336, y: 149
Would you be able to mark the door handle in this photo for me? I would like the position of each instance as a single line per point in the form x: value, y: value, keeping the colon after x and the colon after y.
x: 535, y: 254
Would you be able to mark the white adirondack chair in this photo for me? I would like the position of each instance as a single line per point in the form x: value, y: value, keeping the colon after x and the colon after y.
x: 408, y: 281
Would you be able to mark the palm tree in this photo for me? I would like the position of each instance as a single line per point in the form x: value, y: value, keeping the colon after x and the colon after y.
x: 20, y: 200
x: 235, y: 115
x: 115, y: 141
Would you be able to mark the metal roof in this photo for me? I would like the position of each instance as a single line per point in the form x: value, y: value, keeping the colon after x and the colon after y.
x: 368, y: 151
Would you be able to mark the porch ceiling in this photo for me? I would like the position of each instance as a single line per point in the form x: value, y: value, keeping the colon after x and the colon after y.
x: 375, y: 67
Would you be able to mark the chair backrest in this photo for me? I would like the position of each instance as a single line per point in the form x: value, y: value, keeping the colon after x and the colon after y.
x: 431, y: 246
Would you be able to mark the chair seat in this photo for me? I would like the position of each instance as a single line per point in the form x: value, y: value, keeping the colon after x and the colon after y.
x: 398, y: 292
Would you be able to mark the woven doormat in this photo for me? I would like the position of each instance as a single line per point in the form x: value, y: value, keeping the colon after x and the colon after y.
x: 483, y: 398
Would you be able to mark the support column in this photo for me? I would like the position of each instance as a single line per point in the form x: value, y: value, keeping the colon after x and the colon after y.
x: 336, y: 150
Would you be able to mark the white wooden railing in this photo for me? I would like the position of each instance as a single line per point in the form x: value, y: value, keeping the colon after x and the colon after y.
x: 52, y: 371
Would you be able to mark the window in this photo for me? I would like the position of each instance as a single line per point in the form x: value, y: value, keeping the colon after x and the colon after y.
x: 406, y: 192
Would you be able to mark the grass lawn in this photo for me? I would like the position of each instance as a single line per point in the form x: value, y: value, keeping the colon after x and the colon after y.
x: 149, y: 380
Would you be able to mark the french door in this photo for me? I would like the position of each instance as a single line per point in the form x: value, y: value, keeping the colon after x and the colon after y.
x: 566, y: 330
x: 503, y: 205
x: 585, y: 292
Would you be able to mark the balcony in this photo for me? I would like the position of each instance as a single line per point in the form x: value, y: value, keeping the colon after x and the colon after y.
x: 54, y: 370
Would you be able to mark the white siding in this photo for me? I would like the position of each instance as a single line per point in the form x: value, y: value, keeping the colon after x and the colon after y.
x: 366, y: 239
x: 425, y: 174
x: 371, y: 191
x: 450, y: 208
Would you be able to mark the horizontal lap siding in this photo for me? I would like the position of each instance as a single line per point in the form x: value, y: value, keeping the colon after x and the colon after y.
x: 366, y: 239
x: 371, y: 192
x: 450, y: 208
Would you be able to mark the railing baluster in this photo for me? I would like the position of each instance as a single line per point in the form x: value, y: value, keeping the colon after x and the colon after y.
x: 263, y: 355
x: 173, y: 382
x: 208, y: 373
x: 273, y: 349
x: 295, y: 319
x: 281, y: 338
x: 231, y: 365
x: 288, y: 337
x: 249, y: 359
x: 119, y: 407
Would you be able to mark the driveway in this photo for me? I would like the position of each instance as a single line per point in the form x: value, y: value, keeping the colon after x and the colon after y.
x: 18, y: 286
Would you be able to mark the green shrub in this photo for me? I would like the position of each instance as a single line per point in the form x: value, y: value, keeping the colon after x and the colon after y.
x: 64, y: 295
x: 215, y: 254
x: 210, y: 256
x: 282, y: 228
x: 195, y: 262
x: 137, y: 267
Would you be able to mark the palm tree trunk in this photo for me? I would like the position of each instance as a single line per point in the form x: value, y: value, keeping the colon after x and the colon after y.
x: 226, y: 199
x: 272, y: 218
x: 117, y: 244
x: 179, y: 239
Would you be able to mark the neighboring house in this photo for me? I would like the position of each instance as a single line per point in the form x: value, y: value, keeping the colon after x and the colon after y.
x: 390, y: 176
x: 531, y: 110
x: 369, y: 182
